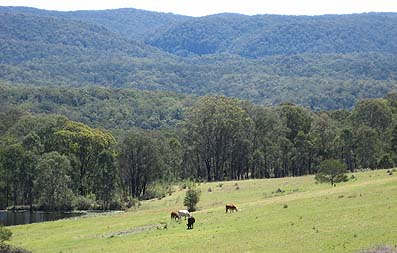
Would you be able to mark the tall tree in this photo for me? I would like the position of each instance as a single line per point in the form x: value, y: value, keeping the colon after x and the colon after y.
x: 368, y: 147
x: 331, y: 171
x: 52, y: 186
x: 139, y: 162
x: 86, y: 144
x: 105, y: 178
x: 12, y: 162
x: 374, y: 113
x: 217, y: 138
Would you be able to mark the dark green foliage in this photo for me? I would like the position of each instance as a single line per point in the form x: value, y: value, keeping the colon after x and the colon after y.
x: 261, y: 35
x: 216, y: 139
x: 321, y: 62
x: 386, y: 162
x: 97, y: 107
x: 331, y: 171
x: 105, y: 178
x: 139, y: 162
x: 374, y: 113
x: 368, y: 147
x: 52, y: 188
x: 191, y: 199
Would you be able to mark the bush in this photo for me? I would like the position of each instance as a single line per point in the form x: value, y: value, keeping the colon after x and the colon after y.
x: 386, y: 162
x: 191, y: 199
x: 279, y: 191
x: 115, y: 204
x: 5, y: 234
x: 85, y: 203
x: 157, y: 190
x: 130, y: 202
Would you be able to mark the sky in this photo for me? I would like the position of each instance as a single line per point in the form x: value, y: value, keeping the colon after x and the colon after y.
x: 207, y: 7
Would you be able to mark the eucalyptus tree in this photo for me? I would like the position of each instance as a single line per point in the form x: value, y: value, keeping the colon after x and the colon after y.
x: 85, y: 143
x: 368, y: 147
x: 52, y: 186
x: 217, y: 138
x: 105, y: 178
x: 139, y: 162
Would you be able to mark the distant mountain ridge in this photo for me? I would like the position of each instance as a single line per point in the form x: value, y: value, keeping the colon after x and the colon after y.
x: 263, y: 35
x: 129, y: 22
x: 322, y: 62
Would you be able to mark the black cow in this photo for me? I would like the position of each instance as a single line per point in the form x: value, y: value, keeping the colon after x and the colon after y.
x: 190, y: 222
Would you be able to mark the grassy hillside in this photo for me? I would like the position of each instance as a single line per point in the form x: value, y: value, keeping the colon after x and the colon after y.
x: 306, y: 217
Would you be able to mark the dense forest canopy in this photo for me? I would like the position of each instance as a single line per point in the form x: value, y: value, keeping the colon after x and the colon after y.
x: 262, y: 35
x: 321, y: 62
x: 104, y: 163
x: 100, y: 107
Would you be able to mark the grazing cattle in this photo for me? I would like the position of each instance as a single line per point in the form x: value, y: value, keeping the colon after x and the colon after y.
x: 190, y: 221
x: 183, y: 213
x: 231, y: 208
x: 174, y: 215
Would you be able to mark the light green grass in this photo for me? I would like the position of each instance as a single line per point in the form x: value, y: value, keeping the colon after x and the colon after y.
x: 352, y: 216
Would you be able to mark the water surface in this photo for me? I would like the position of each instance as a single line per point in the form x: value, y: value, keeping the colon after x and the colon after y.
x: 11, y: 218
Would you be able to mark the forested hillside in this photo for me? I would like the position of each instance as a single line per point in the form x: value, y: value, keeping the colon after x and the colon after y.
x: 131, y: 23
x: 261, y: 35
x: 321, y: 62
x: 98, y: 107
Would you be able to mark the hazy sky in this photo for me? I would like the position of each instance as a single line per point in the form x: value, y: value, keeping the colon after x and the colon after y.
x: 206, y: 7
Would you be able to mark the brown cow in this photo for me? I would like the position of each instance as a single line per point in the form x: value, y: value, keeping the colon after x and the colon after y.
x: 231, y: 207
x: 175, y: 216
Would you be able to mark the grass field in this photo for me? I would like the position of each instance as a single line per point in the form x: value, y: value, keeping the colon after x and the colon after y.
x: 307, y: 217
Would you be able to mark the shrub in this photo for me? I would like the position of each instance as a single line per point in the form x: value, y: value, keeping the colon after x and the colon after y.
x: 85, y: 203
x: 116, y: 204
x: 5, y: 234
x: 279, y: 191
x: 191, y: 199
x: 130, y: 202
x: 157, y: 190
x: 386, y: 162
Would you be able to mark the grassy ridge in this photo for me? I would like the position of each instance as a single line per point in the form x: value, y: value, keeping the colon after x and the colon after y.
x: 355, y: 215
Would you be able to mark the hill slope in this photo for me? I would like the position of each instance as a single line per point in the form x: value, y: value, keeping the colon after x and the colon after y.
x: 306, y: 217
x: 131, y: 23
x: 262, y: 35
x: 50, y: 48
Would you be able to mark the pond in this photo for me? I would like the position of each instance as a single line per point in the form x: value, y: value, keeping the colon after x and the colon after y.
x: 11, y: 218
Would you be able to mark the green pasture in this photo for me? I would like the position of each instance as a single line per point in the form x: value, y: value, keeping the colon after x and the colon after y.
x: 303, y: 217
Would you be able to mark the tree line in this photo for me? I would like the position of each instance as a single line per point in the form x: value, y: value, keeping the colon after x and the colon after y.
x: 53, y: 163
